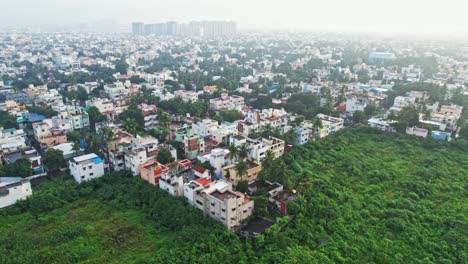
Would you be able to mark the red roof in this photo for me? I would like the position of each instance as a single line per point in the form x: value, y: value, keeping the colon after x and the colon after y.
x: 199, y: 169
x: 246, y: 200
x: 246, y: 108
x: 203, y: 181
x: 274, y: 118
x: 185, y: 162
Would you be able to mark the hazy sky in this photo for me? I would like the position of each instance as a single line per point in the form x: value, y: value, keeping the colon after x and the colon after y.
x: 423, y: 16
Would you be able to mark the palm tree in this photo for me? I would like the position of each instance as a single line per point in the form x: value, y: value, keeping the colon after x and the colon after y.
x: 232, y: 152
x: 241, y: 167
x: 242, y: 151
x: 267, y: 162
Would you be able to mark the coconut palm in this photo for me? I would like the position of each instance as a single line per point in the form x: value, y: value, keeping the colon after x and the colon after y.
x: 243, y: 152
x: 232, y: 152
x: 267, y: 162
x: 241, y: 168
x: 130, y: 125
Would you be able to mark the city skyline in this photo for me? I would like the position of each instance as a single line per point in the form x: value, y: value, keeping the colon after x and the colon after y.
x: 417, y: 17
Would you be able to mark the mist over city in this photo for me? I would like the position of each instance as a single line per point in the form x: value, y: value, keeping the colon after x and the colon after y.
x: 222, y: 131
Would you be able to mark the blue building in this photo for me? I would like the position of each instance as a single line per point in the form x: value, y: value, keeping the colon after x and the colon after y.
x: 439, y: 135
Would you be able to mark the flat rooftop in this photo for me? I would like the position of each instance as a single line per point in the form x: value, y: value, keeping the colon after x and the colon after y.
x: 223, y: 196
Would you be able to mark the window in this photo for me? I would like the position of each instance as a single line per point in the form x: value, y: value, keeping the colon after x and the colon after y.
x: 212, y: 213
x: 212, y: 204
x: 200, y: 203
x: 82, y: 177
x: 84, y: 168
x: 233, y: 209
x: 91, y: 174
x: 90, y: 167
x: 223, y: 210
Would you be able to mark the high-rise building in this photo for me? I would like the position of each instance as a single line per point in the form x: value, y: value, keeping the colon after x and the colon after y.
x: 194, y: 28
x: 138, y: 28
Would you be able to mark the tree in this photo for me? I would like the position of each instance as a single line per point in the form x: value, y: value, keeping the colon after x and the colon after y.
x: 130, y: 125
x: 163, y: 119
x: 121, y: 66
x: 136, y: 115
x: 232, y: 152
x: 267, y: 162
x: 20, y: 168
x: 359, y: 117
x: 95, y: 117
x: 242, y: 151
x: 241, y: 168
x: 7, y: 121
x: 164, y: 156
x: 53, y: 158
x: 370, y: 110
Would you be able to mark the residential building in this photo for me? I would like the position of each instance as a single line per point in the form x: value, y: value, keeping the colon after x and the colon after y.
x: 187, y: 96
x: 230, y: 173
x: 173, y: 181
x: 205, y: 128
x: 330, y: 125
x: 416, y: 131
x: 151, y: 171
x: 382, y: 124
x: 34, y: 91
x: 79, y: 117
x: 226, y: 102
x: 259, y: 147
x: 150, y: 115
x: 441, y: 135
x: 192, y: 143
x: 86, y: 167
x: 116, y: 91
x: 13, y: 189
x: 25, y: 153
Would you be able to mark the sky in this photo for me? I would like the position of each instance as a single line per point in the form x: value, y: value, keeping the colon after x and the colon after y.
x: 399, y: 16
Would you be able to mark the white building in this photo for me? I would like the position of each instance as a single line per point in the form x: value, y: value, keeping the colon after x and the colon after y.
x: 205, y: 128
x: 86, y: 167
x: 13, y: 189
x: 116, y: 91
x: 259, y: 147
x: 219, y: 201
x: 381, y: 124
x: 416, y: 131
x: 226, y: 102
x: 186, y: 96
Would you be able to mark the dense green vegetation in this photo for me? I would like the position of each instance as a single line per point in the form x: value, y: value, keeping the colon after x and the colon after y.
x: 115, y: 219
x: 366, y: 197
x: 369, y: 197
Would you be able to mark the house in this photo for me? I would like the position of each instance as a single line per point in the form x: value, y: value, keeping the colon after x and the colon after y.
x: 226, y: 102
x: 151, y: 171
x: 186, y: 96
x: 282, y: 199
x: 150, y: 115
x: 25, y: 153
x: 230, y: 173
x: 13, y: 189
x: 205, y: 128
x: 330, y: 125
x: 201, y: 172
x: 52, y: 131
x: 382, y: 124
x: 259, y: 147
x: 302, y: 135
x: 216, y: 158
x: 67, y: 149
x: 219, y: 201
x: 440, y: 135
x: 173, y: 181
x: 416, y: 131
x: 192, y: 143
x: 79, y: 117
x: 86, y: 167
x: 116, y: 91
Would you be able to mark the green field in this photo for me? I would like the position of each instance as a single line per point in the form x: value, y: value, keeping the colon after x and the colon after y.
x: 366, y: 197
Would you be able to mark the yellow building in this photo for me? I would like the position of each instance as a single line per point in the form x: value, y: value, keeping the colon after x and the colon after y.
x: 34, y: 91
x: 230, y: 173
